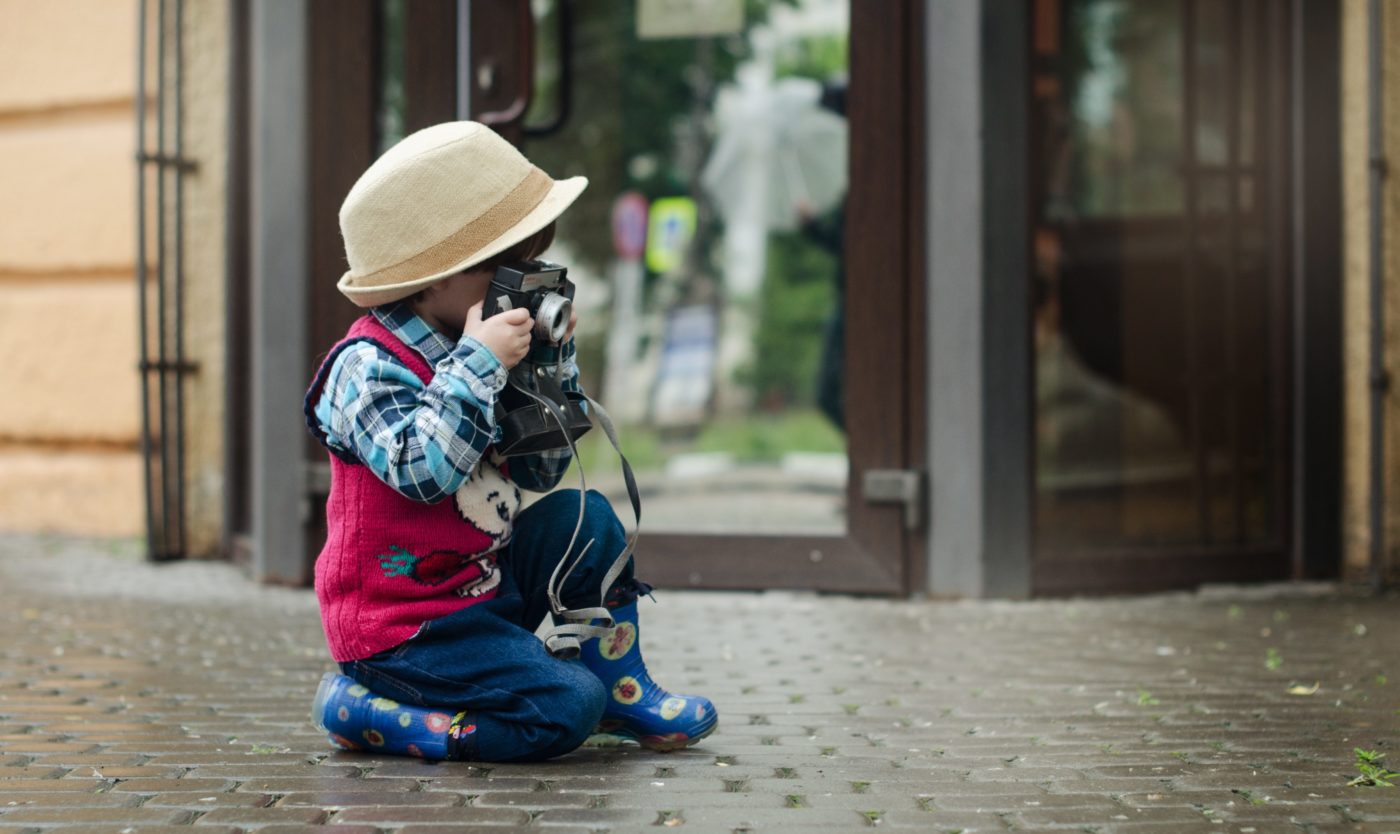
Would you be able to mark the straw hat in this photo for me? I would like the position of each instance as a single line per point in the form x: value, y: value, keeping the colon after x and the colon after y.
x: 443, y: 199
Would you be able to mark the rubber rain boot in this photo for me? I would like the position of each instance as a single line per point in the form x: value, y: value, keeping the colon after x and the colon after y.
x: 638, y: 708
x: 357, y: 719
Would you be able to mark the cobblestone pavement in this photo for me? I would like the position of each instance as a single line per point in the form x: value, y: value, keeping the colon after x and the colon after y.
x: 137, y: 698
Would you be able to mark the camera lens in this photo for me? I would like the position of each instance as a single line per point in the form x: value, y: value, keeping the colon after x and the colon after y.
x: 552, y: 319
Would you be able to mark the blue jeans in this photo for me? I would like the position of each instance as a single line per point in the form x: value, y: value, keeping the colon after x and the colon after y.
x: 526, y: 704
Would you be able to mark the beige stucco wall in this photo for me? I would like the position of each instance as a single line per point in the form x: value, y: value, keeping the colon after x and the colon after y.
x: 1357, y: 328
x: 70, y: 414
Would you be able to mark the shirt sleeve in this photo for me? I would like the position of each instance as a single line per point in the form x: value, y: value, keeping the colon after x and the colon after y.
x: 421, y: 440
x: 542, y: 471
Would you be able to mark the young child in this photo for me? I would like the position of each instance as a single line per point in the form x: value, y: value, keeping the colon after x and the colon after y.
x: 430, y: 584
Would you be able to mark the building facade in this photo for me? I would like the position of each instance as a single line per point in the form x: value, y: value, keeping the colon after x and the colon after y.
x: 1081, y: 305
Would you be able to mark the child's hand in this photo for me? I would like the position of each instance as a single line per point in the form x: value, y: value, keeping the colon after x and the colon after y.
x: 507, y: 334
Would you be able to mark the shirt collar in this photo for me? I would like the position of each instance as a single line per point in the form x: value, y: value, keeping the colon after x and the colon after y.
x: 400, y: 319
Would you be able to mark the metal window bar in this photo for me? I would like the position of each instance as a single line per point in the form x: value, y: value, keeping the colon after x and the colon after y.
x: 163, y: 365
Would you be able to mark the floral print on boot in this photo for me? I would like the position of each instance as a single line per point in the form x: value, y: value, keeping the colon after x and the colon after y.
x: 357, y: 719
x: 638, y: 708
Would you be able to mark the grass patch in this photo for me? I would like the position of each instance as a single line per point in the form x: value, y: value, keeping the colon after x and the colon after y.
x: 1374, y: 774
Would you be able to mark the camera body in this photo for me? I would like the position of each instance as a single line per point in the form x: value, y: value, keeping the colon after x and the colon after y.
x: 541, y: 287
x: 523, y: 410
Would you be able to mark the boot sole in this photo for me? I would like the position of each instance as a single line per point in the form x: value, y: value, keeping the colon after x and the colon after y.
x: 659, y: 744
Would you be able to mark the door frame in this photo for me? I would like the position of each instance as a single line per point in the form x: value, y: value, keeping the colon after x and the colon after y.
x: 884, y: 361
x: 981, y: 406
x: 331, y: 134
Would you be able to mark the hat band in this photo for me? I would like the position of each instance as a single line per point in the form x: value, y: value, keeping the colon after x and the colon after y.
x: 468, y: 240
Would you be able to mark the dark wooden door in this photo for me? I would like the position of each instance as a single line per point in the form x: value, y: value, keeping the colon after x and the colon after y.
x: 1162, y: 328
x: 381, y: 69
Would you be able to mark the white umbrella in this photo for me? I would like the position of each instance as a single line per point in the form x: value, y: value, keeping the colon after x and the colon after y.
x: 776, y: 150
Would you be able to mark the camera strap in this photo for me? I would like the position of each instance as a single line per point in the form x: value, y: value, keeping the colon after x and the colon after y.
x: 594, y: 621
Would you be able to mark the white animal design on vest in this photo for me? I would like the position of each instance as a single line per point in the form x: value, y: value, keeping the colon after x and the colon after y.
x: 489, y: 501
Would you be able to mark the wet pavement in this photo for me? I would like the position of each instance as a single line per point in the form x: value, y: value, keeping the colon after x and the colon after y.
x: 140, y: 698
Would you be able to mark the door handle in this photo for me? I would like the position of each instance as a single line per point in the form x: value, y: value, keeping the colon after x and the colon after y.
x: 564, y: 95
x: 525, y: 71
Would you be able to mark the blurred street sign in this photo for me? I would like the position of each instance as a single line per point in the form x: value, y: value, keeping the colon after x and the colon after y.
x: 685, y: 378
x: 629, y: 226
x: 688, y: 18
x: 669, y: 233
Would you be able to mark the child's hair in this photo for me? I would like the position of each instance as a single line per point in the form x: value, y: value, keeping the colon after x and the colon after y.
x: 526, y: 250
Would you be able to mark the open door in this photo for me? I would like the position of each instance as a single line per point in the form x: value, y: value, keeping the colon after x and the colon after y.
x: 767, y: 376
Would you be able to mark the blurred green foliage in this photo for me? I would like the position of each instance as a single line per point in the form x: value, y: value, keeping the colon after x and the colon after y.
x: 795, y: 302
x: 759, y: 439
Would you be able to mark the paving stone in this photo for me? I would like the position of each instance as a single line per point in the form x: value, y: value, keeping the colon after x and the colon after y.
x: 39, y: 748
x: 766, y: 819
x: 490, y: 829
x: 10, y: 773
x: 149, y: 829
x: 120, y: 817
x: 97, y: 760
x: 205, y: 756
x: 478, y: 784
x: 349, y: 799
x: 88, y: 785
x: 942, y: 821
x: 67, y: 800
x: 260, y: 817
x: 1033, y: 819
x: 337, y: 783
x: 1371, y: 811
x: 533, y: 800
x: 173, y: 785
x: 625, y: 819
x: 321, y: 829
x: 244, y: 771
x: 662, y: 800
x: 457, y: 815
x: 204, y: 802
x: 984, y: 803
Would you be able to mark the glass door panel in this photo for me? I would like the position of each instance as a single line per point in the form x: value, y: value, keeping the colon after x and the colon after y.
x: 708, y: 255
x: 1159, y: 322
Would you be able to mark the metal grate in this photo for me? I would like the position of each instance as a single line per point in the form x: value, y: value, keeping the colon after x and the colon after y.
x: 160, y: 170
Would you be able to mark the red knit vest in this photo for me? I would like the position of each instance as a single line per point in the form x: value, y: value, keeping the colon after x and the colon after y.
x: 391, y: 564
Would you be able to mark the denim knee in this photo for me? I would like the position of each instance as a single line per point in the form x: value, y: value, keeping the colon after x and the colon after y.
x: 589, y: 700
x: 600, y: 521
x: 576, y: 713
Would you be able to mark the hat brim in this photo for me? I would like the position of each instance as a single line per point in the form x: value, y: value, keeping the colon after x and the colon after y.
x: 562, y: 194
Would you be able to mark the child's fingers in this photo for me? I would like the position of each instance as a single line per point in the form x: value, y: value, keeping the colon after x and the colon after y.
x: 474, y: 314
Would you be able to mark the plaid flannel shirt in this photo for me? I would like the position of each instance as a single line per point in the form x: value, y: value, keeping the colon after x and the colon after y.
x: 424, y: 440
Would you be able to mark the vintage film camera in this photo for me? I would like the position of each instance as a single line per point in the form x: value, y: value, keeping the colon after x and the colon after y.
x: 533, y: 411
x: 536, y: 415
